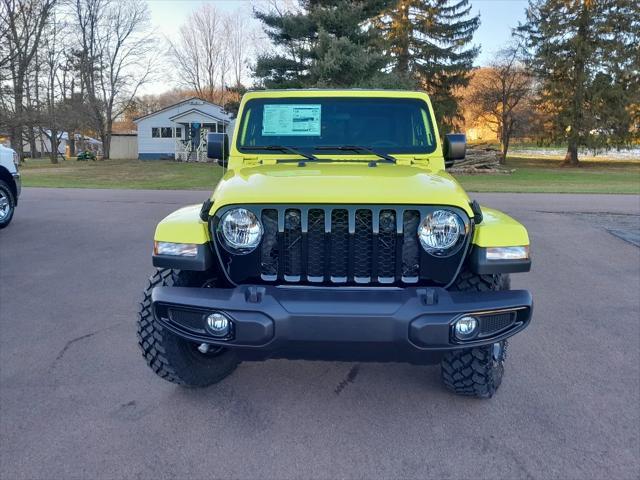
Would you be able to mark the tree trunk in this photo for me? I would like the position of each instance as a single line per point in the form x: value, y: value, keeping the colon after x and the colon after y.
x: 504, y: 138
x: 71, y: 141
x: 31, y: 136
x: 505, y: 149
x: 53, y: 155
x: 403, y: 31
x: 15, y: 138
x: 577, y: 115
x: 106, y: 138
x: 17, y: 128
x: 571, y: 158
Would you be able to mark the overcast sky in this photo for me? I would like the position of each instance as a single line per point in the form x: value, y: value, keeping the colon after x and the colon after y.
x: 497, y: 18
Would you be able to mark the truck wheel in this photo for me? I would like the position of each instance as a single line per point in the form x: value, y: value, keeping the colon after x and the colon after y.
x: 172, y: 358
x: 476, y: 371
x: 7, y: 204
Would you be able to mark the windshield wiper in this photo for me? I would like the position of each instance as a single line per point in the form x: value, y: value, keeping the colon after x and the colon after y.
x: 284, y: 148
x: 358, y: 148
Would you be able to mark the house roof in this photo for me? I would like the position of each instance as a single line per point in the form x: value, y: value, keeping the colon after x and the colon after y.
x: 200, y: 112
x: 136, y: 120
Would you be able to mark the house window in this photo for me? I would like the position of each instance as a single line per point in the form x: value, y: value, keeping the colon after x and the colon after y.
x: 164, y: 132
x: 178, y: 132
x: 215, y: 127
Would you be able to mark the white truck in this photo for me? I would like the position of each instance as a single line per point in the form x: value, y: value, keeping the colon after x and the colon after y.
x: 9, y: 184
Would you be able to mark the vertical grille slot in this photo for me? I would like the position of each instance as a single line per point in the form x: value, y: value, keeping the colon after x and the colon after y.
x: 410, y: 247
x: 292, y: 245
x: 315, y: 245
x: 363, y: 246
x: 269, y: 251
x: 386, y: 241
x: 339, y: 245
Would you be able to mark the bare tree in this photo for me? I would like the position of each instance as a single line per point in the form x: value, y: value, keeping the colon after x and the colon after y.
x: 236, y: 30
x: 5, y: 52
x: 24, y: 22
x: 114, y: 59
x: 498, y: 93
x: 203, y: 51
x: 31, y: 109
x: 51, y: 122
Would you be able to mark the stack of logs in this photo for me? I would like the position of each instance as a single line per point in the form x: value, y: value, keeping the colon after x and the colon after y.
x: 480, y: 159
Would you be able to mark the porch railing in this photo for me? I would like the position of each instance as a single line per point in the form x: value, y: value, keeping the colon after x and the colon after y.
x: 201, y: 150
x: 183, y: 150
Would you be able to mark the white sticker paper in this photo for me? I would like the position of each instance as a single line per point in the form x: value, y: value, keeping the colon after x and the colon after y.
x: 291, y: 120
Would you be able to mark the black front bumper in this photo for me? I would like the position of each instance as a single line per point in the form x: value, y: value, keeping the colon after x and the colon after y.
x: 377, y: 324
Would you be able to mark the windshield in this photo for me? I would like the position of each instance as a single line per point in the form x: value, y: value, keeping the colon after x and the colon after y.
x: 389, y: 125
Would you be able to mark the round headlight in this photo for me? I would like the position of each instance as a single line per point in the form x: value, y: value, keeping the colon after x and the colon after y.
x: 241, y: 230
x: 440, y: 232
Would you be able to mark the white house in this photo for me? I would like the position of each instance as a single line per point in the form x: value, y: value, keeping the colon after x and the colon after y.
x: 180, y: 131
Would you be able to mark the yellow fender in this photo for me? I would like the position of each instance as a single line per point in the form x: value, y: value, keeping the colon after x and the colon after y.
x: 499, y: 230
x: 183, y: 226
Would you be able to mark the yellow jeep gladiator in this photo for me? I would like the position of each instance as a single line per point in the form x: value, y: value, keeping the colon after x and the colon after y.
x: 335, y: 234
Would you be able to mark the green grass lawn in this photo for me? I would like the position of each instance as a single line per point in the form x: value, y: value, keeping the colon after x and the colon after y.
x: 531, y: 175
x: 132, y: 174
x: 548, y: 175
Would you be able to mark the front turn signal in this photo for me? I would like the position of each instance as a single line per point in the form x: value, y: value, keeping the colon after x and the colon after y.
x: 175, y: 249
x: 508, y: 253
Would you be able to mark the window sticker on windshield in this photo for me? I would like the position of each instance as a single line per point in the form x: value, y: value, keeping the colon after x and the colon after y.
x: 291, y: 120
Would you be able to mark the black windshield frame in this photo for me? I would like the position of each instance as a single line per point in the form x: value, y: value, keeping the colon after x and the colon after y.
x: 255, y: 107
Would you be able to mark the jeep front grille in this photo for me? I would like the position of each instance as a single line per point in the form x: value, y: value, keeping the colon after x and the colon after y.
x: 327, y: 245
x: 340, y: 245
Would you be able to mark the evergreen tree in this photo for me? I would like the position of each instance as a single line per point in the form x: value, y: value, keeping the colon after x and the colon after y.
x: 326, y: 43
x: 292, y: 33
x: 374, y: 43
x: 429, y: 41
x: 616, y: 98
x: 585, y: 54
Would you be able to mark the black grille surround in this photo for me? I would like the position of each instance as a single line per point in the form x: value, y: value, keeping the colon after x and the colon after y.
x: 335, y: 245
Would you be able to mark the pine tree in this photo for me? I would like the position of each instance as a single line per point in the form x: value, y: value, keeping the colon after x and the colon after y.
x: 326, y: 43
x: 429, y: 41
x: 292, y: 33
x: 585, y: 54
x: 616, y: 98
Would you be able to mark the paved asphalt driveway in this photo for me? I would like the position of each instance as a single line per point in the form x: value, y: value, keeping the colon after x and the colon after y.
x: 78, y: 401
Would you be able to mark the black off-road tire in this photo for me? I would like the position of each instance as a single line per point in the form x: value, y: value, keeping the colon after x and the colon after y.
x: 476, y: 371
x: 169, y: 356
x: 6, y: 192
x: 472, y: 282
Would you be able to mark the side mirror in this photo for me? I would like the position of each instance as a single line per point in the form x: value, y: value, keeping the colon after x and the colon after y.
x: 218, y: 147
x: 454, y: 148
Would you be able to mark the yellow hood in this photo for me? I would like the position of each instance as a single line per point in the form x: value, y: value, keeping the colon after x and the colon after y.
x: 339, y: 183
